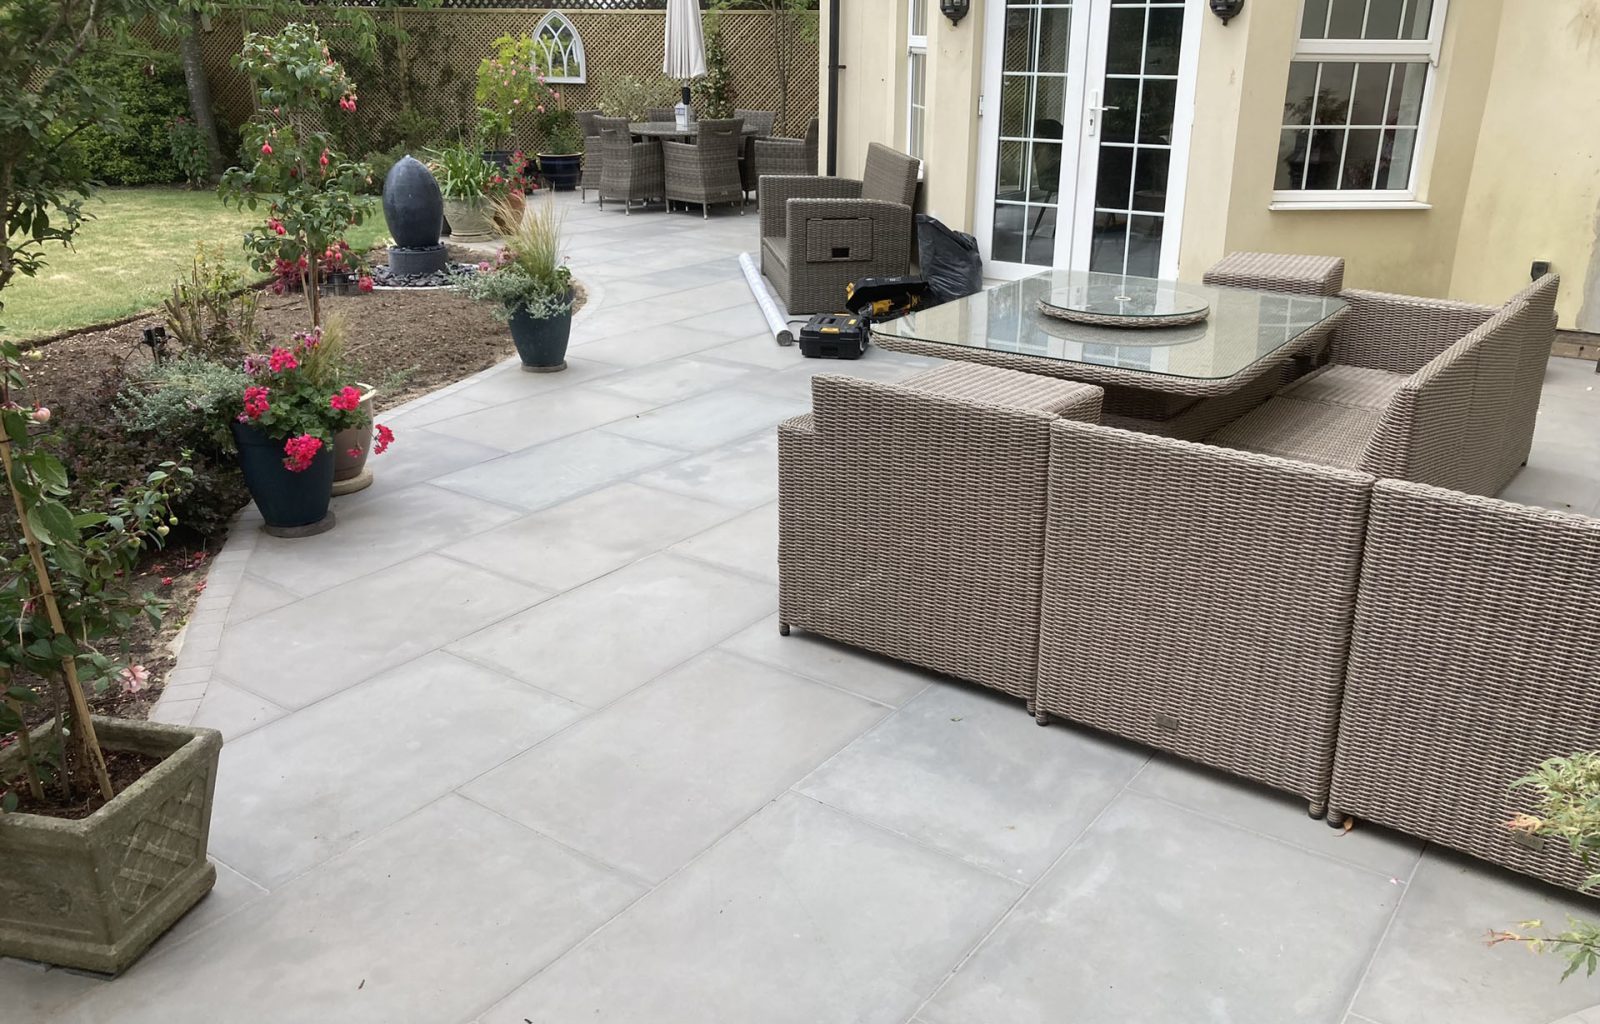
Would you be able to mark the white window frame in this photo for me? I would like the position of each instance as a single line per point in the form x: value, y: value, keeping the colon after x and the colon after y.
x: 577, y: 47
x: 1355, y: 51
x: 916, y: 46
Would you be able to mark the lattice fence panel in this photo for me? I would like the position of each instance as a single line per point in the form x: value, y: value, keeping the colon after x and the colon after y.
x: 434, y: 75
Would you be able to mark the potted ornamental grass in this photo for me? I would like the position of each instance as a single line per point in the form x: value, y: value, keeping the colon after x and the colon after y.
x: 529, y: 284
x: 465, y: 179
x: 104, y: 823
x: 298, y: 401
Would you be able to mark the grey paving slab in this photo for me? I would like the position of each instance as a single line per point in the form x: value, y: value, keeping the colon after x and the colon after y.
x: 673, y: 381
x: 881, y: 679
x: 747, y: 544
x: 232, y: 893
x: 510, y: 382
x: 743, y: 474
x: 875, y: 364
x: 451, y: 907
x: 574, y: 542
x: 631, y: 341
x: 1278, y: 815
x: 276, y: 816
x: 662, y: 773
x: 708, y: 421
x: 418, y: 456
x: 1158, y: 915
x: 554, y: 472
x: 1435, y: 965
x: 513, y: 426
x: 967, y: 772
x: 597, y: 642
x: 758, y: 349
x: 427, y: 413
x: 373, y: 535
x: 35, y: 992
x: 801, y: 915
x: 256, y: 596
x: 332, y: 640
x: 233, y: 711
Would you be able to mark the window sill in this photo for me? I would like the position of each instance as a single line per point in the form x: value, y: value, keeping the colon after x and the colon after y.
x: 1293, y: 205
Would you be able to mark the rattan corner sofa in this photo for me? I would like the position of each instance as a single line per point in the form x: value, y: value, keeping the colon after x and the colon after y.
x: 1392, y: 650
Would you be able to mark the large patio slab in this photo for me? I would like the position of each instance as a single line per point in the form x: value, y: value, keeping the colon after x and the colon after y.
x: 519, y: 742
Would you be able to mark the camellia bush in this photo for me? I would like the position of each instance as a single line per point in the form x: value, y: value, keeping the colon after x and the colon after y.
x: 312, y: 194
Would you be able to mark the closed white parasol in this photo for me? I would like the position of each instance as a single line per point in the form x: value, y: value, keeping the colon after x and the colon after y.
x: 685, y: 44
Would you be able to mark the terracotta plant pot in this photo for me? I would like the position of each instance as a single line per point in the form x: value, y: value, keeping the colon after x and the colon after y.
x: 468, y: 219
x: 541, y: 343
x: 350, y: 473
x: 96, y: 892
x: 517, y: 201
x: 291, y: 504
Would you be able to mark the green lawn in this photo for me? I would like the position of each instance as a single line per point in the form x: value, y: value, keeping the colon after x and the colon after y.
x: 124, y: 260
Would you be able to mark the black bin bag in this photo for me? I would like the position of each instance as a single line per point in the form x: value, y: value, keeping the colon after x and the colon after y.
x: 950, y: 261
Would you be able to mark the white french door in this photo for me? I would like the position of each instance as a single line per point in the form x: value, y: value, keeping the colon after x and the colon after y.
x: 1085, y: 130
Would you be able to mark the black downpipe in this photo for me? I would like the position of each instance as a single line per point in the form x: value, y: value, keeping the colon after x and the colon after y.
x: 834, y: 67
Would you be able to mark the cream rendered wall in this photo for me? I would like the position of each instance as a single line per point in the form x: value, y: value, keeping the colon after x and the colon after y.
x: 1535, y: 191
x: 955, y: 77
x: 1239, y: 108
x: 872, y: 86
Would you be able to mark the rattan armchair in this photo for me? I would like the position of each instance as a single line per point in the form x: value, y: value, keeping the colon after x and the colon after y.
x: 909, y: 516
x: 1435, y: 392
x: 593, y: 157
x: 820, y: 234
x: 705, y: 171
x: 758, y: 124
x: 786, y: 156
x: 632, y: 171
x: 1474, y: 658
x: 1199, y: 600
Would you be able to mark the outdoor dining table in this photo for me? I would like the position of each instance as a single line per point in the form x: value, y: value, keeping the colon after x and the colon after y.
x: 1118, y: 330
x: 670, y: 130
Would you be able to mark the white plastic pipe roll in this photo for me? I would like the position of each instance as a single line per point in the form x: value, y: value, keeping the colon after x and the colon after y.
x: 777, y: 317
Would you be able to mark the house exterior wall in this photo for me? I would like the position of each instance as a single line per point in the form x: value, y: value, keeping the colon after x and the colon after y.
x: 1509, y: 171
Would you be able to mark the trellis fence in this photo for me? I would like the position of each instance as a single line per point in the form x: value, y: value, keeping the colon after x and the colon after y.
x: 424, y: 85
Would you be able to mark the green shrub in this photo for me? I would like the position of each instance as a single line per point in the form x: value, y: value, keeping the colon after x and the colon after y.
x: 151, y: 91
x: 212, y: 312
x: 630, y: 96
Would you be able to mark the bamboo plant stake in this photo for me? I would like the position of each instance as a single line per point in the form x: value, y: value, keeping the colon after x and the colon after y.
x: 34, y: 785
x: 69, y: 667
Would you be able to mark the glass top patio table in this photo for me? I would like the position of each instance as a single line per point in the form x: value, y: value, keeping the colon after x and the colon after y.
x: 670, y: 129
x: 1245, y: 331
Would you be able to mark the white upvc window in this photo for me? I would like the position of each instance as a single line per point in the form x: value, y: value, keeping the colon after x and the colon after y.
x: 916, y: 76
x: 1356, y: 111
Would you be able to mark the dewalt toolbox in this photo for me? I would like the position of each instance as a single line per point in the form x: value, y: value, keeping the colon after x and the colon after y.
x: 833, y: 336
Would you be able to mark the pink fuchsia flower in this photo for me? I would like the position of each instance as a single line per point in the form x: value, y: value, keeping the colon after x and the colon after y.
x: 133, y: 679
x: 385, y: 439
x: 282, y: 360
x: 540, y: 108
x: 300, y: 451
x: 308, y: 340
x: 483, y: 266
x: 41, y: 414
x: 266, y: 149
x: 346, y: 400
x: 323, y: 159
x: 166, y: 581
x: 255, y: 403
x: 364, y: 283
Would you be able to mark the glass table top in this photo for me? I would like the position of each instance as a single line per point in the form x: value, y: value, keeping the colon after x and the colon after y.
x: 1242, y: 327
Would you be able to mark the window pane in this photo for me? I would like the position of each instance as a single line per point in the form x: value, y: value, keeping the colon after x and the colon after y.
x: 1046, y: 171
x: 1019, y: 39
x: 1372, y: 89
x: 1405, y: 98
x: 1014, y: 117
x: 1302, y: 93
x: 1344, y: 21
x: 1040, y: 228
x: 1144, y: 245
x: 1164, y: 41
x: 1108, y: 246
x: 1399, y: 148
x: 919, y: 17
x: 1006, y: 243
x: 1049, y: 106
x: 1314, y: 24
x: 1156, y: 112
x: 1012, y: 156
x: 1123, y: 94
x: 1322, y: 158
x: 1333, y: 93
x: 1383, y: 19
x: 1055, y: 31
x: 1125, y: 47
x: 1360, y: 158
x: 1114, y: 183
x: 1418, y: 16
x: 918, y: 101
x: 1292, y: 146
x: 1150, y: 179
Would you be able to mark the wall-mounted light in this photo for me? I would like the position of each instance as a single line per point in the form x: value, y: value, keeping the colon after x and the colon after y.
x: 955, y: 10
x: 1226, y: 9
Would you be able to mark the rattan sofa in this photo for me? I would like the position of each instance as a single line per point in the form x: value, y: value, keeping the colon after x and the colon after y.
x: 1435, y: 392
x: 820, y: 234
x: 910, y: 516
x: 1278, y: 272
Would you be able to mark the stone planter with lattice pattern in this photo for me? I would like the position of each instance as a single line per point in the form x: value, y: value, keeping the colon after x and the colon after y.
x: 95, y: 893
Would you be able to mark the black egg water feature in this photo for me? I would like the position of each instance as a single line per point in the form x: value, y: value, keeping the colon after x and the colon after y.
x: 414, y: 210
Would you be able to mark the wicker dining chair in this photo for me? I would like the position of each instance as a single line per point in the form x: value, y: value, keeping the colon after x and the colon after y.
x: 758, y: 124
x: 660, y: 114
x: 909, y: 516
x: 787, y: 156
x: 705, y: 171
x: 632, y: 171
x: 820, y: 234
x: 593, y: 157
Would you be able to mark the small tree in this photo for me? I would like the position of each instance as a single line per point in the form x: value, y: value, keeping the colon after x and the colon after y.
x: 310, y: 191
x: 1569, y: 810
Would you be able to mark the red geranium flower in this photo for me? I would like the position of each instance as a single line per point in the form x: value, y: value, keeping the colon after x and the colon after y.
x: 385, y: 439
x: 300, y: 451
x: 346, y: 400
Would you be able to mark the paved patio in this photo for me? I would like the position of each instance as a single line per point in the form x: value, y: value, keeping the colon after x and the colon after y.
x: 519, y: 742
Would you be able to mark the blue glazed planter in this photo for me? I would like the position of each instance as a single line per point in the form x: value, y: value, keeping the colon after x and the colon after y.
x: 287, y: 500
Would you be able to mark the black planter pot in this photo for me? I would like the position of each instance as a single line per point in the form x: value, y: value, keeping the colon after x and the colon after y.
x: 290, y: 503
x: 501, y: 158
x: 561, y: 170
x: 541, y: 344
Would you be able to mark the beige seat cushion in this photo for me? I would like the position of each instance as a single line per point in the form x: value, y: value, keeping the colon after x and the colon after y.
x: 1290, y: 428
x: 1353, y: 386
